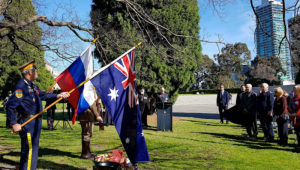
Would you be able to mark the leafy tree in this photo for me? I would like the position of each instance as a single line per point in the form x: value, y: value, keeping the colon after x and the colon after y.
x: 206, y: 75
x: 265, y: 70
x: 231, y: 61
x: 15, y: 52
x: 294, y: 27
x: 165, y: 59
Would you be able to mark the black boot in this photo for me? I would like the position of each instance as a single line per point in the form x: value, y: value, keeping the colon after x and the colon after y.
x: 86, y: 153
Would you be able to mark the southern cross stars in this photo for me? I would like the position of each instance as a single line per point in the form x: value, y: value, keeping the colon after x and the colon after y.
x: 113, y: 94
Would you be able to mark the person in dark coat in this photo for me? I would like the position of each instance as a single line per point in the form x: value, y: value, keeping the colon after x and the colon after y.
x: 70, y: 110
x: 248, y: 107
x: 282, y: 117
x: 265, y: 101
x: 222, y: 102
x: 239, y: 96
x: 8, y: 126
x: 144, y: 106
x: 50, y: 113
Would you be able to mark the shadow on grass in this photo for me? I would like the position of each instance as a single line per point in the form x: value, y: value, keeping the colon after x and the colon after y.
x: 120, y: 147
x: 253, y: 144
x: 42, y: 163
x: 197, y: 115
x: 232, y: 125
x: 151, y: 128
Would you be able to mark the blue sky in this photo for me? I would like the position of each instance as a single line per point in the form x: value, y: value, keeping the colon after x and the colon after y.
x: 236, y: 24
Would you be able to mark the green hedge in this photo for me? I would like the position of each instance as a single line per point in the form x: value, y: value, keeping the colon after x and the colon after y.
x: 210, y: 91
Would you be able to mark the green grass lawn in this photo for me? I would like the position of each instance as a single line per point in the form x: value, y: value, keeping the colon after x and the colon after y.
x: 193, y: 144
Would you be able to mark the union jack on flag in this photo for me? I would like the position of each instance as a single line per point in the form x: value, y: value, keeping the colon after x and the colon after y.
x: 127, y: 69
x: 116, y: 86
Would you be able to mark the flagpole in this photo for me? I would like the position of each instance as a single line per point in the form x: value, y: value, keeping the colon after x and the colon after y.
x: 113, y: 62
x: 94, y: 41
x: 81, y: 84
x: 45, y: 109
x: 51, y: 87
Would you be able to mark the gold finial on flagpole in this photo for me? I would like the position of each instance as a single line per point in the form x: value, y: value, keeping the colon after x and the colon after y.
x: 138, y: 44
x: 95, y: 40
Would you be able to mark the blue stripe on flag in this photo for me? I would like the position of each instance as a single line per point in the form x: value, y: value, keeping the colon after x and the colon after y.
x: 82, y: 104
x: 76, y: 69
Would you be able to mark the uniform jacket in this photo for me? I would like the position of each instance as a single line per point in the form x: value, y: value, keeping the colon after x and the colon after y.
x: 26, y: 99
x: 223, y: 99
x: 89, y: 114
x: 265, y: 102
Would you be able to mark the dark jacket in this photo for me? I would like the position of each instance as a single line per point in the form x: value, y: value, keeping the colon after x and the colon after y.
x: 280, y: 106
x: 239, y: 98
x: 49, y: 102
x: 162, y: 97
x: 265, y: 102
x: 249, y: 102
x: 223, y: 99
x: 144, y: 102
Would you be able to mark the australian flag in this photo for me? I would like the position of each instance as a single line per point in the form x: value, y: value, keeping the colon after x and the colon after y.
x: 116, y: 86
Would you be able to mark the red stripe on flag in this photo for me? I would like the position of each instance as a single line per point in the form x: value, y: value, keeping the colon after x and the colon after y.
x: 66, y: 83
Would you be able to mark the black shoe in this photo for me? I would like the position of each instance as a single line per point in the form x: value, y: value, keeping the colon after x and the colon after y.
x: 271, y: 139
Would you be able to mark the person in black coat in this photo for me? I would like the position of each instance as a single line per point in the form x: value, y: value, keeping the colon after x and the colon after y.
x: 239, y: 96
x: 50, y: 113
x: 248, y: 107
x: 265, y: 101
x: 144, y: 105
x: 222, y: 102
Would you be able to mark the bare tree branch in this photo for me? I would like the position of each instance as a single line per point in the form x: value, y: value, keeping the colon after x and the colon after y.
x: 7, y: 27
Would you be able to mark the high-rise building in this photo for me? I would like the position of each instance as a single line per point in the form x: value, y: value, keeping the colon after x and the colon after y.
x: 271, y: 23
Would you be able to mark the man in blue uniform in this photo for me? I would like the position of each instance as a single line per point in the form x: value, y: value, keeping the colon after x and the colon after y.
x: 24, y: 104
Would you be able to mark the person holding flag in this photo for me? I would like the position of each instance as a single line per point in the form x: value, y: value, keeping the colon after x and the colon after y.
x: 87, y: 119
x: 26, y: 102
x: 116, y: 85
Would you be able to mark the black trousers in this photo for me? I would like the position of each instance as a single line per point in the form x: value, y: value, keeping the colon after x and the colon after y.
x: 50, y: 118
x: 221, y: 111
x: 266, y: 124
x: 251, y: 125
x: 8, y: 126
x: 297, y: 131
x: 106, y: 118
x: 283, y: 130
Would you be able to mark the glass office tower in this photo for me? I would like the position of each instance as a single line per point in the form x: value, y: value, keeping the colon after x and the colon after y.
x: 271, y: 19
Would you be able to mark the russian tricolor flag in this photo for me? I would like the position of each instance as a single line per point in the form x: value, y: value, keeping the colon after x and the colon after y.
x: 81, y: 69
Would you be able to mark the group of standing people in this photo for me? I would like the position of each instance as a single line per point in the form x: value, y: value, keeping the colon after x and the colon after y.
x: 265, y: 106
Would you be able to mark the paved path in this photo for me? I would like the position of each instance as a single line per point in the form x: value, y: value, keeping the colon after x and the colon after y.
x: 198, y: 106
